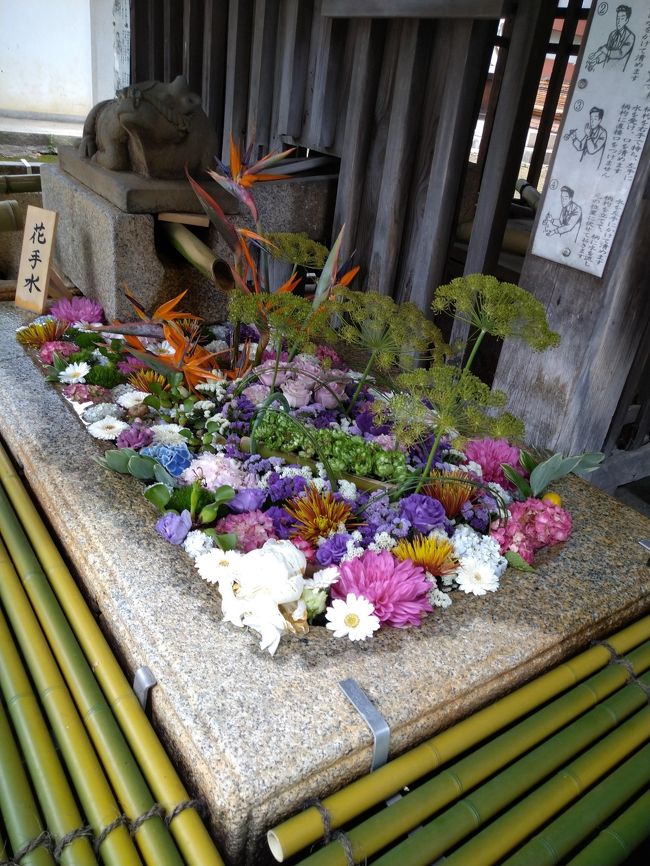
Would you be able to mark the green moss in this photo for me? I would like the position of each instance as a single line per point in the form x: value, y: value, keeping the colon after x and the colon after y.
x: 107, y: 377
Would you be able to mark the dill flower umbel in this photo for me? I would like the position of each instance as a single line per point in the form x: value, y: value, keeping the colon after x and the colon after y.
x: 318, y: 515
x: 435, y: 554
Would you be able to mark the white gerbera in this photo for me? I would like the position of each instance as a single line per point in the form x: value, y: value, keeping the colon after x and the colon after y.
x: 131, y: 398
x: 168, y: 434
x: 476, y: 577
x: 354, y: 618
x: 107, y: 428
x: 217, y: 565
x: 75, y: 373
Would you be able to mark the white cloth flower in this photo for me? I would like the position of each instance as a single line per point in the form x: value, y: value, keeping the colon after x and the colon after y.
x: 75, y: 373
x: 324, y: 578
x: 354, y: 618
x: 107, y: 428
x: 131, y: 398
x: 475, y: 577
x: 196, y: 543
x: 168, y: 434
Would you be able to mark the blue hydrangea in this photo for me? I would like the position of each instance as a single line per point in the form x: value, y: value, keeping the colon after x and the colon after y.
x: 175, y: 458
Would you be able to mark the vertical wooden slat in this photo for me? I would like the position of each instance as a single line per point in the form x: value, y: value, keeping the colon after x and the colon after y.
x: 193, y: 43
x: 408, y: 86
x: 562, y: 54
x: 262, y: 65
x: 139, y: 46
x: 459, y: 54
x: 155, y: 40
x: 495, y: 89
x: 294, y: 30
x: 327, y: 49
x: 215, y: 29
x: 173, y: 39
x: 530, y: 34
x: 240, y: 14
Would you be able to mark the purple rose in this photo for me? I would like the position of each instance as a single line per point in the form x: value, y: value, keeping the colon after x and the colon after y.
x: 296, y: 393
x: 174, y: 527
x: 247, y: 499
x: 332, y: 551
x: 423, y: 512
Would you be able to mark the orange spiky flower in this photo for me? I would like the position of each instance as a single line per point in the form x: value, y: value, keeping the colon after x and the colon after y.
x: 190, y: 359
x: 33, y: 336
x: 452, y: 490
x: 166, y: 312
x: 435, y: 555
x: 318, y: 514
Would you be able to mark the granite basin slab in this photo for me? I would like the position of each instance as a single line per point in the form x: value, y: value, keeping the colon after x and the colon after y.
x: 256, y: 736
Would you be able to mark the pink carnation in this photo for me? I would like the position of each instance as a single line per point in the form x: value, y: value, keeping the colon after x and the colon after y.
x: 398, y: 590
x: 56, y: 347
x: 77, y: 309
x: 532, y: 524
x: 252, y: 528
x: 490, y: 454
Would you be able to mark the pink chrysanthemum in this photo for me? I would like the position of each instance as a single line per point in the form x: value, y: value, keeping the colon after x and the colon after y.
x: 130, y: 365
x: 252, y: 528
x: 490, y: 454
x: 397, y: 590
x: 77, y: 309
x: 532, y: 524
x: 56, y: 347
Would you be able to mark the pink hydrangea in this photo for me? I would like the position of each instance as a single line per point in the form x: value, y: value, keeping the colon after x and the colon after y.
x: 490, y: 454
x: 397, y: 590
x: 56, y: 347
x: 305, y: 547
x: 82, y: 393
x: 532, y: 524
x: 252, y: 528
x: 214, y: 470
x: 77, y: 309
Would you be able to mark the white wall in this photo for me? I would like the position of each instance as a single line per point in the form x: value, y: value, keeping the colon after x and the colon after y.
x: 56, y: 56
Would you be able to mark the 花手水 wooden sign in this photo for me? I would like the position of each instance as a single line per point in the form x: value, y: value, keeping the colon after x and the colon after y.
x: 35, y: 259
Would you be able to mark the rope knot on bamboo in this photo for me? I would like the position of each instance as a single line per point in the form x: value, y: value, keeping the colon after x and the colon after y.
x: 617, y: 659
x: 69, y: 838
x: 325, y: 817
x: 43, y: 840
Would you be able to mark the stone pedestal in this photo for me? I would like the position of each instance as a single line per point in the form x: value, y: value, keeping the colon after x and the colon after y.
x: 257, y: 736
x: 101, y: 248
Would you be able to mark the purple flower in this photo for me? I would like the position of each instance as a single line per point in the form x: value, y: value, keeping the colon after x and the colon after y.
x: 174, y: 527
x: 283, y: 523
x: 423, y: 512
x: 285, y: 488
x: 332, y: 551
x: 175, y: 458
x: 137, y: 436
x: 130, y: 365
x: 77, y: 309
x: 247, y: 499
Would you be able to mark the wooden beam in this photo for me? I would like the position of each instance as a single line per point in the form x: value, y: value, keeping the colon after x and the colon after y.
x: 213, y: 72
x: 326, y: 61
x: 294, y: 32
x: 192, y: 43
x: 240, y: 16
x: 458, y: 51
x: 474, y: 9
x: 155, y: 43
x: 262, y: 64
x: 621, y: 467
x: 173, y: 39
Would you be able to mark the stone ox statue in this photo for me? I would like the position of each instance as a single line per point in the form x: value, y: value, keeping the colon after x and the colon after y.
x: 152, y: 129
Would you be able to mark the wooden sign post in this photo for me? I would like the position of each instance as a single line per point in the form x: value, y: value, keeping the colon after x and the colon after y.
x: 35, y: 259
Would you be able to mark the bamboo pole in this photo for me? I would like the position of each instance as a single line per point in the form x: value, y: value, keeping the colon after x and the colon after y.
x: 53, y: 790
x: 198, y: 254
x: 561, y: 837
x: 305, y: 828
x: 504, y: 834
x: 187, y: 828
x: 152, y: 836
x: 429, y: 842
x: 18, y: 808
x: 616, y: 843
x: 20, y: 183
x: 383, y: 828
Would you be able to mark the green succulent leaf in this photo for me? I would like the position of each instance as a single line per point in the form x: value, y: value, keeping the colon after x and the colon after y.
x: 224, y: 540
x: 118, y: 459
x: 517, y: 561
x: 518, y: 480
x: 159, y: 495
x: 142, y: 467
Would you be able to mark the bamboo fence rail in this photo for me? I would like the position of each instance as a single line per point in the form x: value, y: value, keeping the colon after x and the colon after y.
x: 344, y: 806
x: 618, y: 841
x: 66, y: 620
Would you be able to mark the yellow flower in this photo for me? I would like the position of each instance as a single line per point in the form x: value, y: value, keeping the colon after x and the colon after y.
x: 435, y: 555
x: 142, y: 380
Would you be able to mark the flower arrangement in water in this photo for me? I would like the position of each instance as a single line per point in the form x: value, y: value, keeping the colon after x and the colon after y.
x: 309, y: 493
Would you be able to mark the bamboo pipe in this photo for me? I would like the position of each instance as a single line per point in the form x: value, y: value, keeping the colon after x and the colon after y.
x: 561, y: 837
x: 20, y: 183
x: 152, y: 836
x: 504, y: 834
x: 17, y: 805
x: 418, y: 806
x: 10, y: 217
x: 198, y: 254
x: 617, y: 842
x: 53, y: 790
x: 87, y: 775
x: 187, y: 828
x: 303, y: 829
x: 450, y: 828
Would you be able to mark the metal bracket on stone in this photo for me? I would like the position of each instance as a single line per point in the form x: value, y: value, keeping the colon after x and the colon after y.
x: 645, y: 544
x: 143, y: 682
x: 378, y: 725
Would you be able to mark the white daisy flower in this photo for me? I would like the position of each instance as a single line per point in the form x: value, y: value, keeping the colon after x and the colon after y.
x: 168, y: 434
x: 475, y: 577
x: 217, y: 564
x: 132, y: 398
x: 75, y: 373
x: 161, y: 348
x: 196, y: 543
x: 354, y: 618
x: 107, y: 428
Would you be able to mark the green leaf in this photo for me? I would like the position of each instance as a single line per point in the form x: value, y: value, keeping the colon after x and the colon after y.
x: 118, y: 459
x: 209, y: 513
x: 590, y: 461
x: 223, y: 494
x: 142, y: 467
x: 163, y: 476
x: 159, y: 495
x: 518, y: 480
x: 518, y: 562
x: 225, y: 540
x: 329, y: 270
x: 546, y: 472
x: 152, y: 401
x: 527, y: 461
